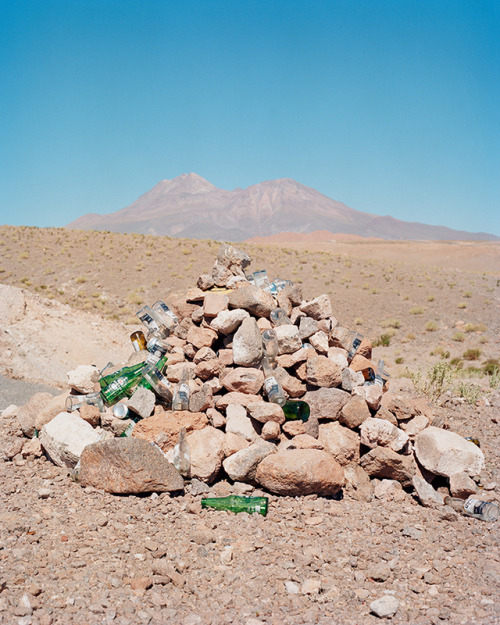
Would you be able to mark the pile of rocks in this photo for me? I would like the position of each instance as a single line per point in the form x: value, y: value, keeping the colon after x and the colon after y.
x: 360, y: 436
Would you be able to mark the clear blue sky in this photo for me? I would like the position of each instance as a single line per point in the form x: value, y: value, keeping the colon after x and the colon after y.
x: 390, y: 106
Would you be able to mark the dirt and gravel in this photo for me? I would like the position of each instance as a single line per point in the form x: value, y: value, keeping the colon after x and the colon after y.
x: 76, y: 555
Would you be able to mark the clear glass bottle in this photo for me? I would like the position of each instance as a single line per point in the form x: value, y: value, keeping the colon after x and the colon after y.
x: 180, y: 400
x: 158, y: 382
x: 261, y: 280
x: 270, y: 345
x: 237, y: 503
x: 483, y: 510
x: 165, y: 316
x: 147, y: 317
x: 279, y: 317
x: 182, y: 455
x: 381, y: 376
x: 272, y: 387
x: 74, y: 402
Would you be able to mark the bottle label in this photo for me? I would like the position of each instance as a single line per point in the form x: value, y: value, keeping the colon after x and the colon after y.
x: 474, y: 506
x: 270, y: 383
x: 183, y: 389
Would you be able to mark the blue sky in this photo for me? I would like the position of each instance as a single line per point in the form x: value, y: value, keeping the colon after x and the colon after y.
x: 392, y: 107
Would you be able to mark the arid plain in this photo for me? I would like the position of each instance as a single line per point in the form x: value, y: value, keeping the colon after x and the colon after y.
x: 73, y: 555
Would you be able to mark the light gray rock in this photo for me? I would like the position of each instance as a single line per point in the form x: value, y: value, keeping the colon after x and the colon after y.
x: 83, y: 378
x: 242, y: 465
x: 376, y: 432
x: 256, y: 301
x: 239, y: 423
x: 142, y: 402
x: 288, y: 339
x: 371, y: 393
x: 350, y: 378
x: 445, y: 453
x: 385, y: 607
x: 247, y: 344
x: 65, y: 437
x: 320, y: 342
x: 427, y: 495
x: 307, y: 327
x: 228, y: 321
x: 318, y: 308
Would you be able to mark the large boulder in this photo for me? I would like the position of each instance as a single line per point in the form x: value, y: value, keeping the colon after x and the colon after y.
x: 127, y: 466
x: 256, y: 301
x: 445, y: 453
x: 300, y: 472
x: 65, y: 437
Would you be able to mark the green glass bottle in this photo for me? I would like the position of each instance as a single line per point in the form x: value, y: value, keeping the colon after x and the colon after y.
x: 296, y: 410
x: 106, y: 380
x: 236, y: 503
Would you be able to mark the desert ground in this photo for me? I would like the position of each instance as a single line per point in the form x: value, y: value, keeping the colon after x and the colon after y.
x: 74, y: 555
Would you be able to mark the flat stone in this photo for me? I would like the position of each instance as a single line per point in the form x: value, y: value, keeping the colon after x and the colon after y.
x: 164, y: 427
x: 357, y: 483
x: 243, y: 379
x: 416, y: 425
x: 233, y: 397
x: 65, y: 437
x: 239, y: 423
x: 445, y: 453
x: 427, y: 495
x: 201, y: 337
x: 127, y: 465
x: 307, y: 327
x: 214, y: 303
x: 142, y: 402
x: 303, y: 441
x: 300, y: 472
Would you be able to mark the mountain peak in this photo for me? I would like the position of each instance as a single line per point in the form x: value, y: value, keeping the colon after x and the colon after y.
x: 188, y: 183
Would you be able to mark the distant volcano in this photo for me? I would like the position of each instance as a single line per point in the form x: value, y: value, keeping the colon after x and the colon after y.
x: 191, y: 207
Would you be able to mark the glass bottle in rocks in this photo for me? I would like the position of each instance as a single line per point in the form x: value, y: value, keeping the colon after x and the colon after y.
x: 180, y: 400
x: 146, y: 315
x: 237, y: 503
x: 153, y: 378
x: 272, y: 387
x: 182, y: 455
x: 165, y: 315
x: 483, y: 510
x: 296, y: 409
x: 279, y: 317
x: 270, y: 345
x: 138, y: 340
x: 157, y: 352
x: 74, y: 402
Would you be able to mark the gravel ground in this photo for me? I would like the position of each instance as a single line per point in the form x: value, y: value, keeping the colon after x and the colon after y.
x: 76, y: 555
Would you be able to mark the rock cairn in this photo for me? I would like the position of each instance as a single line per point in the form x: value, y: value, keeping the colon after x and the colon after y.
x: 359, y: 437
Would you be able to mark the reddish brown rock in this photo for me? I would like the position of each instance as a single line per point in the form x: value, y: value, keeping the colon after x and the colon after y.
x: 354, y: 412
x: 243, y: 379
x: 207, y: 453
x: 360, y: 363
x: 321, y: 371
x: 326, y: 403
x: 300, y: 472
x: 207, y: 369
x: 201, y: 337
x: 90, y: 414
x: 254, y: 300
x: 164, y: 427
x: 214, y: 303
x: 383, y: 462
x: 234, y: 397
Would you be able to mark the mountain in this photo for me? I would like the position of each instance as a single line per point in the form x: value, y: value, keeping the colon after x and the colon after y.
x: 191, y: 207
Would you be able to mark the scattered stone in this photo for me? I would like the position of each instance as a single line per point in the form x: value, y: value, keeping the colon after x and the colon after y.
x: 385, y: 607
